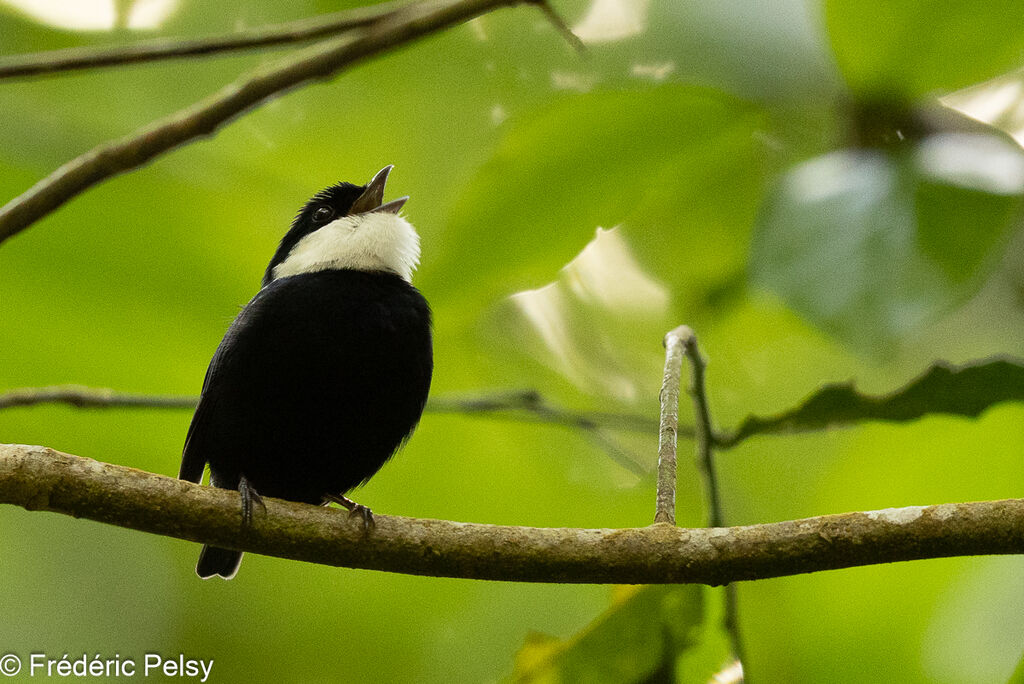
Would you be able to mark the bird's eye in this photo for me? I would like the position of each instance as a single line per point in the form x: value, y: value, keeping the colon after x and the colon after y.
x: 322, y: 214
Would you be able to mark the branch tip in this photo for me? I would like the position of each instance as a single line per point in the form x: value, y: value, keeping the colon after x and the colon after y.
x: 561, y: 26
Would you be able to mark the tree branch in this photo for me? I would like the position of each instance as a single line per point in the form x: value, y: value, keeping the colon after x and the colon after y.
x: 205, y: 117
x: 73, y: 59
x: 38, y: 478
x: 665, y: 501
x: 527, y: 405
x: 81, y: 396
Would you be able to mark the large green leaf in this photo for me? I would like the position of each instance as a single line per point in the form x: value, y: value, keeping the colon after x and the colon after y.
x: 872, y: 245
x: 676, y: 165
x: 913, y: 48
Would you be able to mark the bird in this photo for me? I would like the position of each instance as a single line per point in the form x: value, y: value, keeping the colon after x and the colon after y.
x: 325, y: 373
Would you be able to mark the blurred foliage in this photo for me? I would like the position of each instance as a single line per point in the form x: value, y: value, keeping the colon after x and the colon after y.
x: 781, y: 175
x: 637, y: 639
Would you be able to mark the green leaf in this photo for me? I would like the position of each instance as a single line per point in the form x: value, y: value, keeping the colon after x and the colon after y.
x: 636, y: 640
x: 666, y: 163
x: 870, y: 246
x: 966, y: 390
x: 916, y: 47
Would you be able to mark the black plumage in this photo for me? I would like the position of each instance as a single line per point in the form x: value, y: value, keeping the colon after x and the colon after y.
x: 319, y: 380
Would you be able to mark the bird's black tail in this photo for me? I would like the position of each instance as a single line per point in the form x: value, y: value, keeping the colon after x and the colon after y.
x: 217, y: 561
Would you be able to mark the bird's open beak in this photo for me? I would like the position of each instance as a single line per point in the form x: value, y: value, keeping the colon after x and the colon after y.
x: 373, y: 196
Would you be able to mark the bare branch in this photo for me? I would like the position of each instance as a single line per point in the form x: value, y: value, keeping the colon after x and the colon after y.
x: 81, y: 396
x: 521, y: 405
x: 74, y: 59
x: 38, y: 478
x: 205, y: 117
x: 665, y: 501
x: 705, y: 431
x: 518, y: 405
x: 705, y: 438
x: 531, y: 405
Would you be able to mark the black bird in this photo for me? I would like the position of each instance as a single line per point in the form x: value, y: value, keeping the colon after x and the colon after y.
x: 325, y: 372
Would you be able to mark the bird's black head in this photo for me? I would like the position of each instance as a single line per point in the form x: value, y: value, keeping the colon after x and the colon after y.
x: 331, y: 204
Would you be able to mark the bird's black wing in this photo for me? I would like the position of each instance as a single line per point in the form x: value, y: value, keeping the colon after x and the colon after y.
x: 230, y: 372
x: 201, y: 430
x: 193, y: 462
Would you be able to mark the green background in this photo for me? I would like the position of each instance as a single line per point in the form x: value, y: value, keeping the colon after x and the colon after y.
x: 771, y: 166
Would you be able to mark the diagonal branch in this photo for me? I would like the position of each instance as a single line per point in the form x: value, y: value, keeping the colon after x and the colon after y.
x: 320, y: 61
x: 78, y: 58
x: 38, y: 478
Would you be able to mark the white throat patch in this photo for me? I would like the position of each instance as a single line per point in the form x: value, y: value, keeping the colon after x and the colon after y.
x: 376, y: 241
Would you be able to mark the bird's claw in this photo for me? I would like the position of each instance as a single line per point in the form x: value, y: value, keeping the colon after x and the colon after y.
x: 365, y: 513
x: 249, y: 497
x: 354, y: 509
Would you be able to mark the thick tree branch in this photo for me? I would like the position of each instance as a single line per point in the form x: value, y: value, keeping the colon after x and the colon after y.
x: 310, y: 28
x: 38, y: 478
x: 317, y: 62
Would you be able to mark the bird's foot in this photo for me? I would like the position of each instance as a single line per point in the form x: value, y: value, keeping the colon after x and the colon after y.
x: 249, y: 497
x: 354, y: 509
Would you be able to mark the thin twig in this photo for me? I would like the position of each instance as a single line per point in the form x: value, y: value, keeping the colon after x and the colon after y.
x: 702, y: 427
x: 72, y: 59
x: 319, y: 62
x: 80, y: 396
x: 520, y: 406
x: 37, y: 478
x: 559, y: 23
x: 530, y: 405
x: 706, y: 462
x: 614, y: 450
x: 665, y: 508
